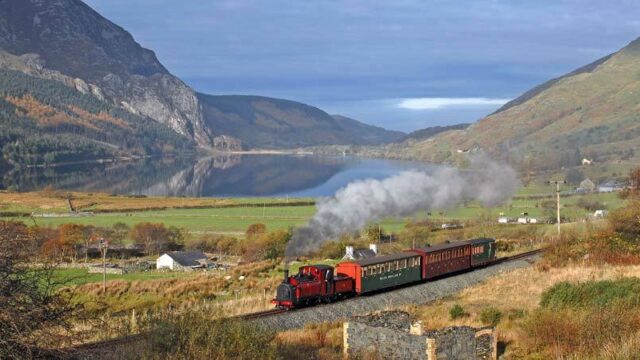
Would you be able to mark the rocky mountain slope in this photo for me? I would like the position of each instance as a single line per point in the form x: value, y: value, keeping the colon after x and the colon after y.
x: 101, y: 58
x: 592, y: 112
x: 67, y: 41
x: 262, y: 122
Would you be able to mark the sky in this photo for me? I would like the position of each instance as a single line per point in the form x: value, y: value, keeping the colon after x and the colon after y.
x: 400, y: 64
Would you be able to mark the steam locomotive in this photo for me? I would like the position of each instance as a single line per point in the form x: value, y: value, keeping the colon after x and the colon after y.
x: 315, y: 284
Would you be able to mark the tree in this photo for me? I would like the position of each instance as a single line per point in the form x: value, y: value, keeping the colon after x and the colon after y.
x: 120, y: 232
x: 154, y: 236
x: 255, y: 230
x: 73, y: 236
x: 33, y: 316
x: 574, y: 176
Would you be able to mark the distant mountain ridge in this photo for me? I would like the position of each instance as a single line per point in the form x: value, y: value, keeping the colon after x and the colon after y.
x: 263, y: 122
x: 68, y: 42
x: 432, y: 131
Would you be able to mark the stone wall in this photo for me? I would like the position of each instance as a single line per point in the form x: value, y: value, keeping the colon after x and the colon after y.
x: 110, y: 270
x: 390, y: 335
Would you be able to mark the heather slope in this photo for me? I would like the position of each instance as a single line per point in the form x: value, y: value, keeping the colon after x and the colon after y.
x: 591, y: 112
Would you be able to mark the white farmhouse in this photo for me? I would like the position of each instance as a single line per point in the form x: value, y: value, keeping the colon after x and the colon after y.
x: 182, y: 260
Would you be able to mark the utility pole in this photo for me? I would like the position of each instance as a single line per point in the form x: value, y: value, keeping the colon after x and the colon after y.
x: 558, y: 202
x: 104, y: 245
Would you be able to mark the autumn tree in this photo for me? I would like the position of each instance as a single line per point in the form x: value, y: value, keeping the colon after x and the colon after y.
x: 255, y: 230
x: 155, y: 237
x: 73, y: 236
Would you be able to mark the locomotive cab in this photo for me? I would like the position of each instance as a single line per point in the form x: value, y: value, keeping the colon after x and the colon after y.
x: 310, y: 285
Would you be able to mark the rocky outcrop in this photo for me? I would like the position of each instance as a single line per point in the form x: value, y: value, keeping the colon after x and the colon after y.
x: 66, y: 40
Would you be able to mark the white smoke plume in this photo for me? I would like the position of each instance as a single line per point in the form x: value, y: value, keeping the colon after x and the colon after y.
x: 366, y: 201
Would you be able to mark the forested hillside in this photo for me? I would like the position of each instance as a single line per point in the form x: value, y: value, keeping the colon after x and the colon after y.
x: 44, y: 121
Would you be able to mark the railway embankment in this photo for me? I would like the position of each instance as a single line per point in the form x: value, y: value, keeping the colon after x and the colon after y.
x: 417, y: 294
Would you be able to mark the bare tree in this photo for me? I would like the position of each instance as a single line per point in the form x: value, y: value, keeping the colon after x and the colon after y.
x: 33, y: 314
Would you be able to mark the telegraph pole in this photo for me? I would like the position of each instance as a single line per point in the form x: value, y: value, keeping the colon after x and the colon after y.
x: 558, y: 202
x: 104, y: 245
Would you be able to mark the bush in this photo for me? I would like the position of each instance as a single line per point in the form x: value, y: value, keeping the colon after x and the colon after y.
x: 194, y: 336
x: 590, y: 204
x: 592, y: 294
x: 579, y: 334
x: 456, y: 312
x: 490, y: 316
x: 625, y: 220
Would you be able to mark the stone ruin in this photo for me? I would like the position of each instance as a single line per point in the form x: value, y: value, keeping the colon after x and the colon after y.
x: 392, y: 335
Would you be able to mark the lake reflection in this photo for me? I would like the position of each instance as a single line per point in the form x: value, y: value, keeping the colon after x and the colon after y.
x: 221, y: 176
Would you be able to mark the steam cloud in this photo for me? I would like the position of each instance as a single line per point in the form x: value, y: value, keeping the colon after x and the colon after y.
x: 366, y: 201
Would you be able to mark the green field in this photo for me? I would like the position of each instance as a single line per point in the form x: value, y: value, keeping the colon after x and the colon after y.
x: 235, y: 220
x: 77, y: 276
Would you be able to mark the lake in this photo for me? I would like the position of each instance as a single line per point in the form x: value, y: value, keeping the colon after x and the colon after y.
x: 220, y: 176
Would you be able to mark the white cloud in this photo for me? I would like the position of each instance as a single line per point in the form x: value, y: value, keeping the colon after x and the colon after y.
x: 441, y: 103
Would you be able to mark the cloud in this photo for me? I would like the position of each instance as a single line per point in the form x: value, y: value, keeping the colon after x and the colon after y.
x: 441, y: 103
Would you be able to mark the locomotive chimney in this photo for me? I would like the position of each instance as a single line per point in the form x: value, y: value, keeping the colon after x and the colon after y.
x: 286, y: 273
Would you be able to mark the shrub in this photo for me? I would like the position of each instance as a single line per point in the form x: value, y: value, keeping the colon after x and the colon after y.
x: 580, y: 333
x: 590, y: 204
x: 625, y: 220
x: 592, y: 294
x: 195, y: 336
x: 490, y: 316
x: 456, y: 312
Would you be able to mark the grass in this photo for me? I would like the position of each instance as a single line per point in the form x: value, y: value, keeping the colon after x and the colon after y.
x: 79, y: 276
x: 51, y: 201
x: 515, y: 294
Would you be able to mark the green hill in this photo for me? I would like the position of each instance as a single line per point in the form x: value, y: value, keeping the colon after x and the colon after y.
x: 592, y: 113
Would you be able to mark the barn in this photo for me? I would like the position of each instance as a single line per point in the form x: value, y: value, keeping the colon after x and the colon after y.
x: 182, y: 260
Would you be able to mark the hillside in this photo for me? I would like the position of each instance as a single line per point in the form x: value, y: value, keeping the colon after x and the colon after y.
x: 432, y: 131
x: 67, y: 41
x: 591, y: 112
x: 262, y: 122
x: 44, y: 121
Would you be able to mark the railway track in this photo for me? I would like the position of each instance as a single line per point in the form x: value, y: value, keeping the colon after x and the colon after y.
x: 103, y: 345
x: 274, y: 312
x: 260, y: 314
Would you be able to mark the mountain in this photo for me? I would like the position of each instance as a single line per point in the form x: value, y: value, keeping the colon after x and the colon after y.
x: 591, y: 112
x: 432, y: 131
x: 68, y: 42
x: 262, y: 122
x: 44, y: 122
x: 70, y: 38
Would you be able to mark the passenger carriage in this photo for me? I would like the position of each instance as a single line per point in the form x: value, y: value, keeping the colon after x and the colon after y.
x: 382, y: 272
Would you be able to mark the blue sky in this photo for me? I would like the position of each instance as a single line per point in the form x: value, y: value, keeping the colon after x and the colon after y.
x: 400, y: 64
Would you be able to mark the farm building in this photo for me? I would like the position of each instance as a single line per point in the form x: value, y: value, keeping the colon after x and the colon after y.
x: 359, y: 254
x: 611, y: 186
x: 182, y: 260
